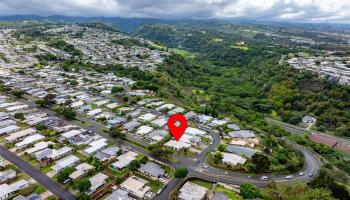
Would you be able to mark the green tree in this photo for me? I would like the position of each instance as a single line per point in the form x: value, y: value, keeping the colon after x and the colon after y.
x: 19, y: 116
x: 125, y: 99
x: 82, y: 185
x: 116, y: 132
x: 160, y: 151
x: 120, y: 152
x: 117, y: 89
x: 41, y: 102
x: 18, y: 93
x: 83, y: 196
x: 64, y: 175
x: 134, y: 165
x: 144, y: 159
x: 319, y: 193
x: 297, y: 190
x: 94, y: 162
x: 181, y: 172
x: 325, y: 180
x: 217, y: 157
x: 51, y: 198
x: 261, y: 162
x: 249, y: 191
x: 222, y: 148
x: 40, y: 127
x: 69, y: 113
x: 73, y: 82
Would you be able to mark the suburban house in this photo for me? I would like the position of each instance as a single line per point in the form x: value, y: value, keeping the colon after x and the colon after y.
x: 43, y: 154
x: 190, y: 191
x: 6, y: 190
x: 119, y: 194
x: 9, y: 129
x: 65, y: 162
x: 142, y: 130
x: 6, y: 175
x: 116, y: 121
x: 135, y: 186
x: 242, y: 134
x: 14, y: 137
x: 177, y: 145
x: 244, y: 151
x: 95, y: 146
x: 124, y: 160
x: 106, y: 154
x: 97, y: 182
x: 309, y: 120
x: 147, y: 117
x: 37, y: 147
x: 232, y: 159
x: 29, y: 140
x: 129, y: 126
x: 152, y: 170
x: 56, y: 154
x: 234, y: 127
x: 81, y: 170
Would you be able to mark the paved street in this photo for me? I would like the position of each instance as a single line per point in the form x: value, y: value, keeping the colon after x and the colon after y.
x: 54, y: 187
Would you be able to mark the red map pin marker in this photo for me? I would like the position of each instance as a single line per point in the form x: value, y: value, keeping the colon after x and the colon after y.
x: 177, y: 131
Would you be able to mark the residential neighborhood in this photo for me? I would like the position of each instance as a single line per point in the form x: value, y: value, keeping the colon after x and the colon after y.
x: 81, y: 117
x: 332, y: 67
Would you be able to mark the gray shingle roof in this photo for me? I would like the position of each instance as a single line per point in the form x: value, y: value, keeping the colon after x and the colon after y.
x: 242, y: 134
x: 152, y: 168
x: 247, y: 152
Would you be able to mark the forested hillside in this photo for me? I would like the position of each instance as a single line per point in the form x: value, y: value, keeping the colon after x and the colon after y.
x: 245, y: 79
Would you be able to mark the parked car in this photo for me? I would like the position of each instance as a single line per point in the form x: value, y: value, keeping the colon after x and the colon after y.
x: 311, y: 175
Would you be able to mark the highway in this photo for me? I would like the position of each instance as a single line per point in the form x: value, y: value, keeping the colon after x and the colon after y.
x: 54, y: 187
x: 199, y: 167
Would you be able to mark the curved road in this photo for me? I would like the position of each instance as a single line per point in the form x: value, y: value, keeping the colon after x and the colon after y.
x: 312, y: 165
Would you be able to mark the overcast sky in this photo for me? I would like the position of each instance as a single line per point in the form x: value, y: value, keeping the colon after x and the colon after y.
x: 332, y: 11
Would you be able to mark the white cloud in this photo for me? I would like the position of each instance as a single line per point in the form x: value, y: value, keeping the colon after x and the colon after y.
x: 304, y: 10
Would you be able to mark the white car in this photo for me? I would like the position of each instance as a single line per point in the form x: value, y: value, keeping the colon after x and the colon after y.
x: 264, y: 178
x: 301, y: 174
x: 289, y: 177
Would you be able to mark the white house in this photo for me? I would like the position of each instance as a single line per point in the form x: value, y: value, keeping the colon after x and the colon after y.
x: 6, y: 190
x: 9, y: 129
x: 135, y: 186
x: 65, y: 162
x: 13, y: 137
x: 142, y: 130
x: 29, y: 140
x: 97, y: 181
x: 95, y: 146
x: 147, y: 117
x: 233, y: 159
x: 177, y: 145
x: 124, y: 160
x: 94, y: 112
